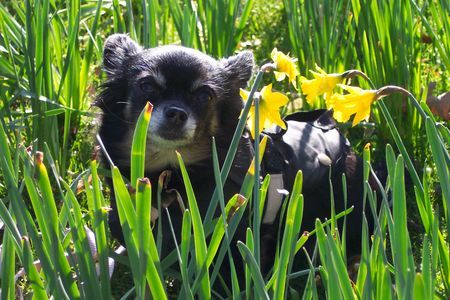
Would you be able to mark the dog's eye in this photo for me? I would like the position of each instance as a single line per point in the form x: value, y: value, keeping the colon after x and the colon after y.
x: 205, y: 94
x: 148, y: 86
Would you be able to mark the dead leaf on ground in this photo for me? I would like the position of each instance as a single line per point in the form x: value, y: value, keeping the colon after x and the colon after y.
x: 440, y: 105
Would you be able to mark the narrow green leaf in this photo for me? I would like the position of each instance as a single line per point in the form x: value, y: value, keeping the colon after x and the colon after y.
x: 5, y: 147
x: 292, y: 226
x: 199, y: 234
x: 82, y: 249
x: 403, y: 264
x: 34, y: 278
x: 51, y: 213
x: 139, y: 144
x: 254, y: 270
x: 442, y: 166
x: 185, y: 243
x: 8, y: 259
x: 304, y: 237
x: 127, y: 217
x: 100, y: 223
x: 248, y: 276
x: 419, y: 288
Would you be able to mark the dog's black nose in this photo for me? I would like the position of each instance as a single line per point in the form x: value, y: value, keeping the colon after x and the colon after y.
x: 176, y: 115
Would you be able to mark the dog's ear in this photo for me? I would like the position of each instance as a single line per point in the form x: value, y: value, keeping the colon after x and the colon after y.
x: 118, y: 48
x: 239, y: 68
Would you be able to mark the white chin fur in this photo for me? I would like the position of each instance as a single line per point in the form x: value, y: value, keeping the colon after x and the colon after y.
x: 160, y: 143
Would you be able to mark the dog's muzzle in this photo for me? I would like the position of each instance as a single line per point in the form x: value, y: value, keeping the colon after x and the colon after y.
x: 173, y: 123
x: 175, y: 116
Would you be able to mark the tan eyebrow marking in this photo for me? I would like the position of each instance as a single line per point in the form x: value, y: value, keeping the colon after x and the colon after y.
x: 157, y: 77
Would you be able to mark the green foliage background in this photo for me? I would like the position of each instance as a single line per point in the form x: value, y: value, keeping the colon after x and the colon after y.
x: 50, y: 69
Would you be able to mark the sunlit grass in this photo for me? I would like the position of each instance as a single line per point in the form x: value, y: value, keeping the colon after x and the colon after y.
x: 49, y: 51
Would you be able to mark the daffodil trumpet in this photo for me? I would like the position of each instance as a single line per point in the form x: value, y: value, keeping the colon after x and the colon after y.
x: 322, y: 84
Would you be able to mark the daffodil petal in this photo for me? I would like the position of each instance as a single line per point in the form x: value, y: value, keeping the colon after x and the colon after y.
x: 278, y: 100
x: 320, y: 69
x: 273, y: 54
x: 285, y: 66
x: 275, y: 118
x: 361, y: 115
x: 340, y: 116
x: 262, y: 120
x: 244, y: 94
x: 279, y: 76
x: 265, y: 91
x: 273, y: 99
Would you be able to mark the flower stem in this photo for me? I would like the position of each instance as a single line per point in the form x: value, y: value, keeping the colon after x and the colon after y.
x: 395, y: 134
x: 389, y: 89
x: 256, y: 213
x: 401, y: 147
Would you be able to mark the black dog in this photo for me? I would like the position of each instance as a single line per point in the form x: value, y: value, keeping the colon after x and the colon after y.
x: 195, y: 98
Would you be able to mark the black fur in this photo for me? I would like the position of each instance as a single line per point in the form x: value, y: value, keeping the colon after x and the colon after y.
x: 122, y: 99
x: 187, y: 87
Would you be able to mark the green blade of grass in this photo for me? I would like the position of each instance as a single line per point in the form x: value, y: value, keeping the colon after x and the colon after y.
x: 50, y: 210
x: 185, y: 243
x: 224, y: 213
x: 404, y: 264
x: 227, y: 164
x: 240, y: 204
x: 250, y: 261
x: 148, y: 253
x: 221, y: 226
x: 199, y: 234
x: 341, y: 268
x: 10, y: 224
x: 247, y: 270
x: 143, y: 205
x: 139, y: 144
x: 329, y: 274
x: 311, y: 288
x: 263, y: 193
x: 5, y: 147
x: 419, y: 287
x: 100, y: 223
x: 441, y: 166
x: 8, y: 257
x: 127, y: 219
x: 292, y: 226
x: 35, y: 280
x: 302, y: 239
x: 27, y: 227
x: 82, y: 249
x: 427, y: 276
x: 364, y: 280
x: 155, y: 282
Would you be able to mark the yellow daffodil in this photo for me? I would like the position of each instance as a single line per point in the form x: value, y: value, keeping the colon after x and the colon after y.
x: 357, y: 102
x: 285, y: 66
x: 322, y: 84
x: 269, y: 109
